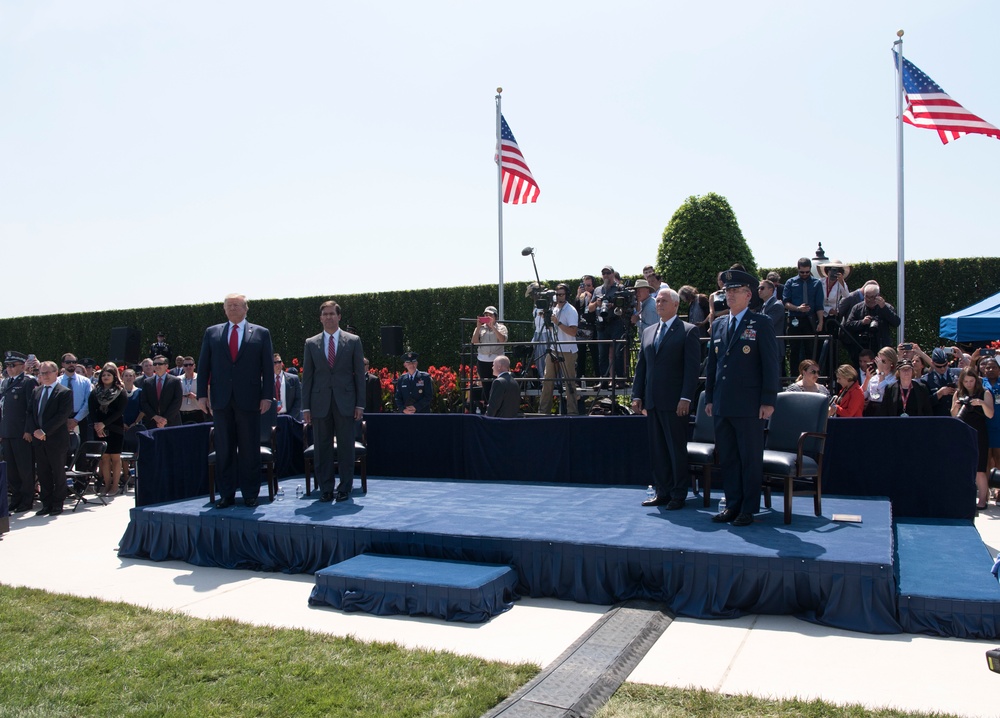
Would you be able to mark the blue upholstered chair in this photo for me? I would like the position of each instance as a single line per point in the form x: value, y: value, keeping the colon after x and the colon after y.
x: 701, y: 451
x: 360, y: 455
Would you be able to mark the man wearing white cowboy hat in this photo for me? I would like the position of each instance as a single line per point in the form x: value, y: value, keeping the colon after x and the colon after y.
x: 834, y: 275
x: 645, y: 314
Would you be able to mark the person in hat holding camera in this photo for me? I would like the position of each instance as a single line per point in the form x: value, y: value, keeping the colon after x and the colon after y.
x: 488, y: 337
x: 740, y: 390
x: 414, y: 388
x: 644, y: 316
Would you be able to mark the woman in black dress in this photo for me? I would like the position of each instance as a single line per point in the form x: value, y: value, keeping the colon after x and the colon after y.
x: 107, y: 411
x: 973, y: 404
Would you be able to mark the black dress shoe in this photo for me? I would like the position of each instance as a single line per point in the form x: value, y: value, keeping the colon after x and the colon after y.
x: 725, y: 516
x: 42, y: 512
x: 675, y: 504
x: 225, y: 503
x: 341, y: 496
x: 326, y: 497
x: 23, y: 507
x: 743, y: 520
x: 55, y: 512
x: 250, y: 503
x: 656, y: 502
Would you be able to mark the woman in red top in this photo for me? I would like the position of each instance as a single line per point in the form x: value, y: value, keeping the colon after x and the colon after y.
x: 851, y: 400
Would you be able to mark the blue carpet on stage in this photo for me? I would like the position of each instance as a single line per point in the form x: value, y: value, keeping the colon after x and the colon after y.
x: 945, y: 584
x: 588, y: 543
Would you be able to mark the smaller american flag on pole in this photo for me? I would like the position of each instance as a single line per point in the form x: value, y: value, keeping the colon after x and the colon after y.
x: 931, y: 108
x: 519, y: 187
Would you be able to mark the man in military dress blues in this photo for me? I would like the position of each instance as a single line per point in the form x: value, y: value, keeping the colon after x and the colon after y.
x: 414, y: 389
x: 15, y: 395
x: 740, y: 390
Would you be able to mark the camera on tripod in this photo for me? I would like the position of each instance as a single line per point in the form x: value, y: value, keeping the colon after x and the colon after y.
x: 619, y: 302
x: 544, y: 299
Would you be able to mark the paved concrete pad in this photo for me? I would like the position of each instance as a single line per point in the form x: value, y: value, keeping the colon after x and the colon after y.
x: 771, y: 656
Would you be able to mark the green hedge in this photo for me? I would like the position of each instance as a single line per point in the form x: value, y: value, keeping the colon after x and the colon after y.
x: 429, y: 317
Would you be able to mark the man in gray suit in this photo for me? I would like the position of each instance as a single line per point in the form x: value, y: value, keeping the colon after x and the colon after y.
x: 333, y: 394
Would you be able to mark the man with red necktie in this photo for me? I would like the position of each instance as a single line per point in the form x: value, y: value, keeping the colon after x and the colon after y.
x: 333, y: 397
x: 236, y: 386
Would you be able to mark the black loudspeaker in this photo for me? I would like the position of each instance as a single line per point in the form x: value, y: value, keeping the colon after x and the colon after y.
x: 124, y: 345
x: 392, y: 340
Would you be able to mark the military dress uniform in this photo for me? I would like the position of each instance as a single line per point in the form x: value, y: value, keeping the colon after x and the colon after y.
x: 15, y: 395
x: 741, y: 376
x: 416, y: 389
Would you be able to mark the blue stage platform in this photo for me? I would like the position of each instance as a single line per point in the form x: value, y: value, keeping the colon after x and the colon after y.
x: 588, y: 543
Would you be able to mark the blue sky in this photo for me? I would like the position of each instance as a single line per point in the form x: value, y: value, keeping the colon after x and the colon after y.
x: 172, y: 152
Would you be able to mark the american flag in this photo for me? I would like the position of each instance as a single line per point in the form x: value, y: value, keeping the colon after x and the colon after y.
x: 519, y: 187
x: 930, y: 107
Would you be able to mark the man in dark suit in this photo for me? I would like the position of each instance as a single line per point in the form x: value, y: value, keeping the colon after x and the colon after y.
x: 15, y: 398
x: 775, y: 311
x: 505, y: 396
x: 332, y: 398
x: 48, y: 423
x: 160, y: 400
x: 373, y: 392
x: 287, y: 390
x: 740, y: 389
x: 666, y: 378
x: 236, y: 386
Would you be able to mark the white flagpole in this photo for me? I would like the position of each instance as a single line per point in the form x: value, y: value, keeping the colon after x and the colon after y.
x: 900, y: 259
x: 500, y: 206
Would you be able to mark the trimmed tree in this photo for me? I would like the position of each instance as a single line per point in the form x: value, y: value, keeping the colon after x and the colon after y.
x: 702, y: 239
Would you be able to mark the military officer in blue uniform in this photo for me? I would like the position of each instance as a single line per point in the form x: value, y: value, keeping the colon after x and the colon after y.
x: 740, y: 390
x: 414, y: 389
x: 15, y: 395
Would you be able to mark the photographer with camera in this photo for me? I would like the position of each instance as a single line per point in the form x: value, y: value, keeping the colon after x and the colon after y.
x: 870, y: 322
x: 610, y: 324
x: 564, y: 320
x: 488, y: 336
x: 973, y: 404
x: 879, y: 375
x: 587, y: 328
x: 803, y: 299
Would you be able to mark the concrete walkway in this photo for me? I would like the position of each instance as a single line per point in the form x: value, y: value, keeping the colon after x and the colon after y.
x: 768, y: 656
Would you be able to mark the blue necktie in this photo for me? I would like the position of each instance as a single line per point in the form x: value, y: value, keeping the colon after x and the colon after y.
x: 732, y: 330
x: 662, y: 333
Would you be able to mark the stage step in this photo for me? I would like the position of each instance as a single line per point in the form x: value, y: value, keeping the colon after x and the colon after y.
x: 407, y: 585
x: 945, y: 584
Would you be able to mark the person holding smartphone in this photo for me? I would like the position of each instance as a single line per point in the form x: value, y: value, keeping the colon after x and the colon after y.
x: 488, y: 336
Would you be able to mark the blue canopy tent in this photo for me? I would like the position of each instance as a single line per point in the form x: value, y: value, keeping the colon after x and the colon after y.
x: 978, y: 323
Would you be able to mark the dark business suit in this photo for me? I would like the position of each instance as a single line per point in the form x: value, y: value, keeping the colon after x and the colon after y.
x: 293, y: 395
x: 775, y: 311
x: 742, y: 376
x: 16, y: 392
x: 918, y: 401
x: 50, y: 455
x: 235, y: 390
x: 330, y: 395
x: 168, y: 405
x: 373, y: 394
x: 664, y: 375
x: 505, y: 397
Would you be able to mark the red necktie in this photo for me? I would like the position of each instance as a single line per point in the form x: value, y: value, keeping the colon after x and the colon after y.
x: 159, y: 386
x: 234, y: 342
x: 331, y: 353
x: 277, y: 387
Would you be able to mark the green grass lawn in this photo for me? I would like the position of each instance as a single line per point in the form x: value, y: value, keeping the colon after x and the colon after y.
x: 68, y: 656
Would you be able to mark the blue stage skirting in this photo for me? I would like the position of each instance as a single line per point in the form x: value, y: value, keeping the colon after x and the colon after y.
x: 926, y: 466
x: 592, y: 544
x: 395, y: 585
x: 945, y: 584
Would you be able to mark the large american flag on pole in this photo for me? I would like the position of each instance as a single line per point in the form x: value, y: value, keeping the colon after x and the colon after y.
x: 519, y: 187
x: 931, y: 108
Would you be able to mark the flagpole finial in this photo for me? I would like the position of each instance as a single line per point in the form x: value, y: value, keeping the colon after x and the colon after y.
x: 899, y: 33
x: 499, y: 90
